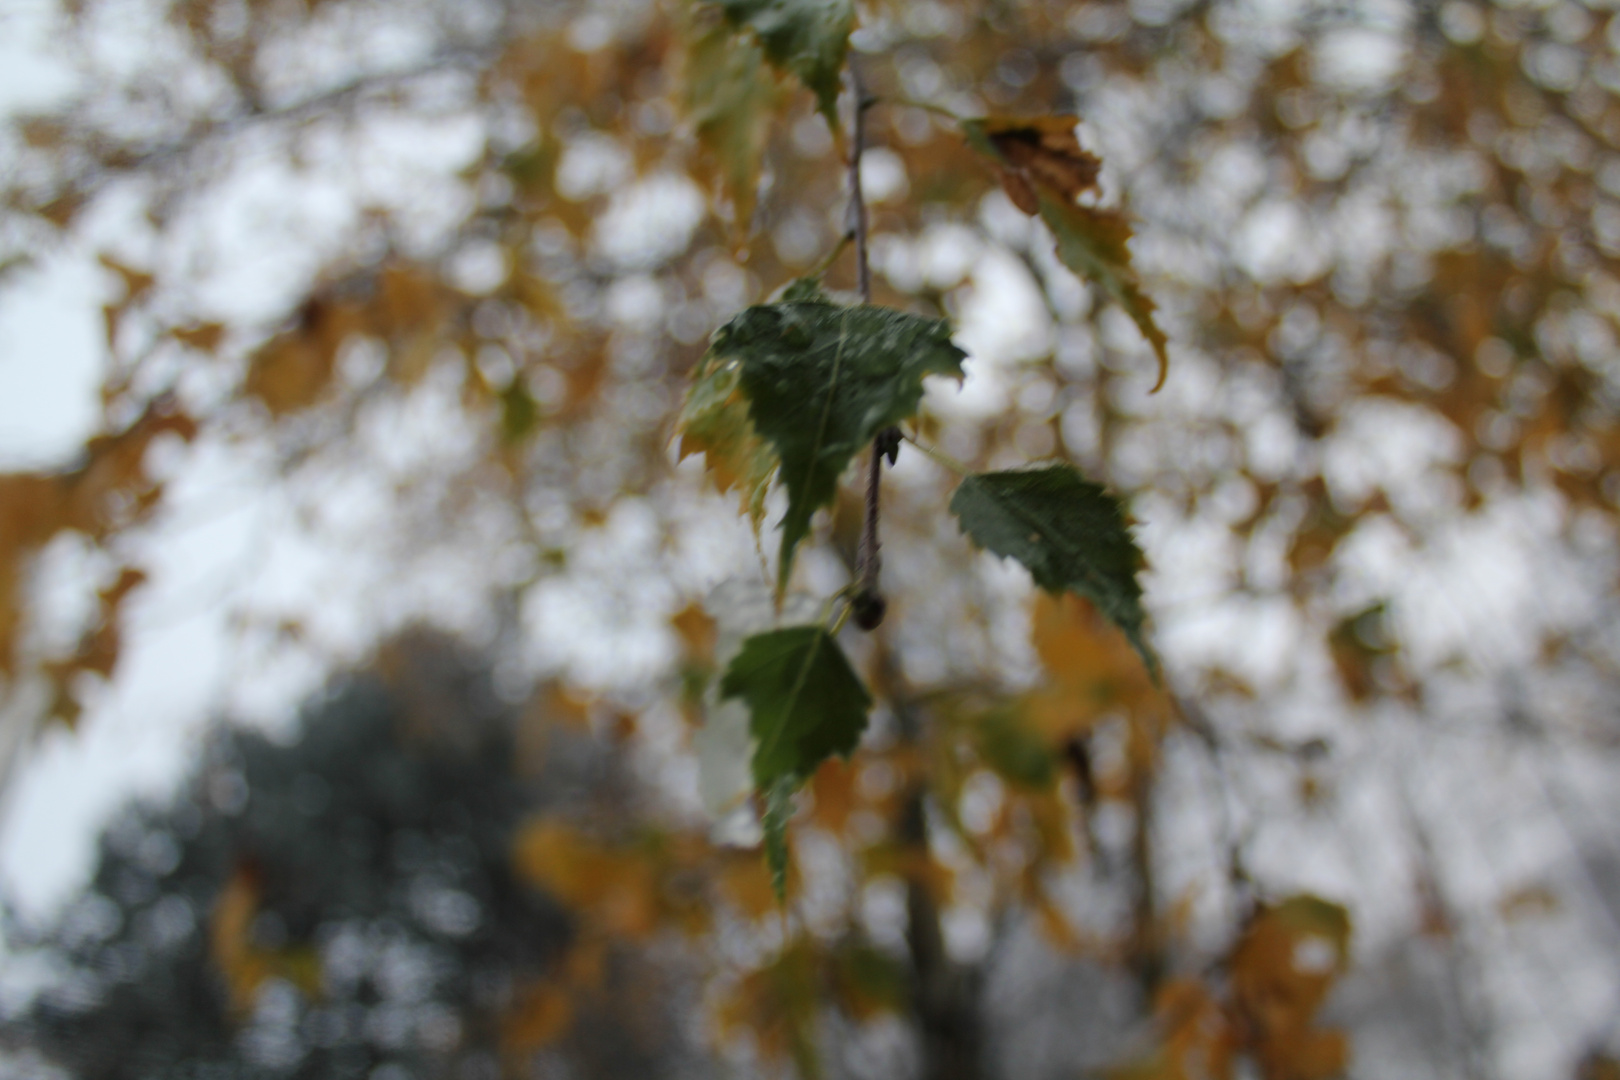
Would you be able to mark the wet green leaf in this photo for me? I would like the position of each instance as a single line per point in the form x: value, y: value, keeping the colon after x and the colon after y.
x: 1069, y: 533
x: 821, y: 381
x: 806, y: 37
x: 805, y: 702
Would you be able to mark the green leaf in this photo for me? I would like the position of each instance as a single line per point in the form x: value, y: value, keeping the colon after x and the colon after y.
x: 821, y: 381
x: 519, y: 412
x: 778, y: 811
x: 714, y: 422
x: 731, y: 97
x: 806, y: 37
x: 1013, y: 751
x: 1043, y: 171
x: 805, y: 702
x: 1068, y: 532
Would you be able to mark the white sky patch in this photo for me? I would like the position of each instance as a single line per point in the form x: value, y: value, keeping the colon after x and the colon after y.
x: 605, y: 623
x: 50, y: 368
x: 1002, y: 320
x: 883, y: 175
x: 1404, y: 450
x: 1274, y: 242
x: 650, y: 222
x: 340, y: 42
x: 592, y: 164
x: 36, y: 75
x: 1358, y: 59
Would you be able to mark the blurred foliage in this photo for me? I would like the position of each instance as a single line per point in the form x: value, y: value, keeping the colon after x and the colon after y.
x: 1373, y: 247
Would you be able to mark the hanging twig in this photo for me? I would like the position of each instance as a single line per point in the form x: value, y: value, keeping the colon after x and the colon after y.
x: 868, y: 605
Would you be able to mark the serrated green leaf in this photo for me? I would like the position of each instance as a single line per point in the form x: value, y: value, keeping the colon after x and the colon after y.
x: 805, y: 702
x: 821, y: 381
x: 731, y: 96
x: 714, y: 422
x: 1043, y: 171
x: 809, y: 38
x: 1069, y: 533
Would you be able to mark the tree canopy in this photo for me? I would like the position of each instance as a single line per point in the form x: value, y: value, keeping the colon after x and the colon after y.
x: 1129, y: 481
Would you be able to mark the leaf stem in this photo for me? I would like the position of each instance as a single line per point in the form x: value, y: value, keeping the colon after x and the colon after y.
x: 832, y: 256
x: 843, y: 617
x: 939, y: 456
x: 926, y: 106
x: 857, y: 201
x: 867, y: 560
x: 827, y: 608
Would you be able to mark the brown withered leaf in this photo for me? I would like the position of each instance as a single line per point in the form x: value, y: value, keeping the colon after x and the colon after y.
x: 1092, y: 669
x: 204, y: 337
x: 292, y: 370
x: 112, y: 487
x: 698, y: 632
x: 1282, y: 970
x: 111, y: 484
x: 137, y: 283
x: 1044, y: 171
x: 408, y: 299
x: 540, y: 1016
x: 61, y: 210
x: 1041, y: 152
x: 31, y: 508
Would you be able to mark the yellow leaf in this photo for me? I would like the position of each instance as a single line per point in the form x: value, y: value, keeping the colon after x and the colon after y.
x: 292, y: 370
x: 617, y: 892
x: 204, y: 337
x: 714, y: 422
x: 540, y: 1017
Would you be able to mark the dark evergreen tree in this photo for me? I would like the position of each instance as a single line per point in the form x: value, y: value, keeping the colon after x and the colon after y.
x: 330, y: 908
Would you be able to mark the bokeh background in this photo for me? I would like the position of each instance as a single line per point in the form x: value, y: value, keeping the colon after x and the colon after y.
x: 359, y: 616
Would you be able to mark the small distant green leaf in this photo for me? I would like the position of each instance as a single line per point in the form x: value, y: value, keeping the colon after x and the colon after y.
x: 805, y: 702
x: 1043, y: 171
x: 1013, y: 751
x: 731, y: 97
x: 714, y: 422
x: 869, y: 982
x: 1311, y: 916
x: 1069, y: 533
x: 821, y: 381
x: 806, y: 37
x: 519, y: 413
